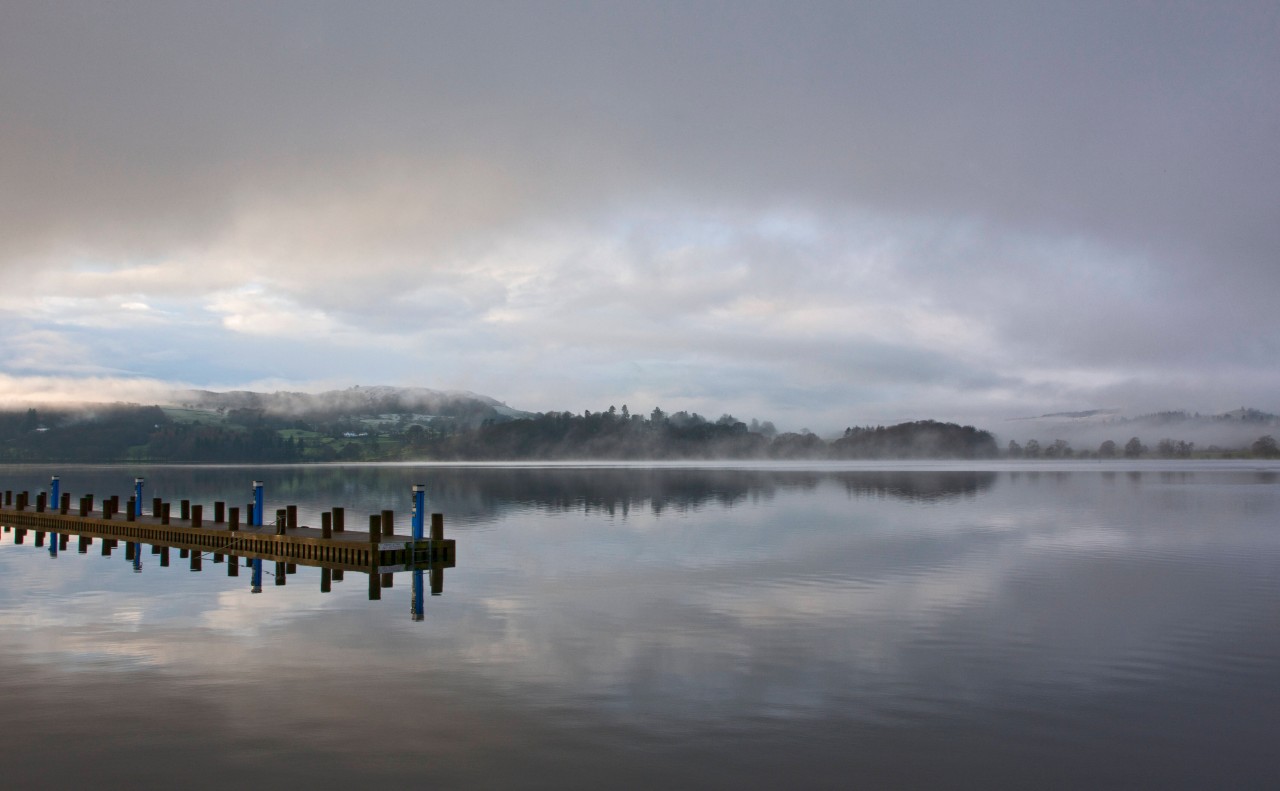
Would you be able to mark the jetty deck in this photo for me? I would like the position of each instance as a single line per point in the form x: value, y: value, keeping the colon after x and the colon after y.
x: 308, y: 546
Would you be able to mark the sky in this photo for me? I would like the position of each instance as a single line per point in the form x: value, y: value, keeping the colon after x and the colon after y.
x: 820, y: 214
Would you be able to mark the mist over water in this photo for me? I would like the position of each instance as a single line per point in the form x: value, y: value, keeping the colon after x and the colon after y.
x: 1066, y: 626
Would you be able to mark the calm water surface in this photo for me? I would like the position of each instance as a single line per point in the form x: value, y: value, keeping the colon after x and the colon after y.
x: 1079, y: 626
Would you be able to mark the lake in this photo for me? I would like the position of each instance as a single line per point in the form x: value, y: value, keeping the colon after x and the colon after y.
x: 1086, y: 625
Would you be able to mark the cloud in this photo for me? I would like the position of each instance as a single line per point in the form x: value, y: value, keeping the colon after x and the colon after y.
x: 913, y: 208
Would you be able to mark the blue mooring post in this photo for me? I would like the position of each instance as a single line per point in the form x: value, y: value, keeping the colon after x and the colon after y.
x: 257, y: 576
x: 419, y: 509
x: 137, y: 496
x: 55, y: 492
x: 417, y: 595
x: 257, y: 506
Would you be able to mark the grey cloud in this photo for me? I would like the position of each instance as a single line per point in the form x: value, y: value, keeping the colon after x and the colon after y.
x: 1089, y: 187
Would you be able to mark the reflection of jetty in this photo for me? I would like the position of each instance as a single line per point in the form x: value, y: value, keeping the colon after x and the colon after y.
x: 379, y: 551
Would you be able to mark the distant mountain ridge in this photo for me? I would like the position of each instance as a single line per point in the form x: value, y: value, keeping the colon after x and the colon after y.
x: 355, y: 401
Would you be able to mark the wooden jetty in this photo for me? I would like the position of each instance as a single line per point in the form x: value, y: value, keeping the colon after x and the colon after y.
x: 378, y: 551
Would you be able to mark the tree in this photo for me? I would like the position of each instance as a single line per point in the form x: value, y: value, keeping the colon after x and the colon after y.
x: 1014, y: 451
x: 1134, y: 448
x: 1107, y: 450
x: 1058, y: 450
x: 1032, y: 449
x: 1266, y: 447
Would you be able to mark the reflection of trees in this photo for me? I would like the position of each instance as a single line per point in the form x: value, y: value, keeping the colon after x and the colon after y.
x: 475, y: 491
x: 926, y: 486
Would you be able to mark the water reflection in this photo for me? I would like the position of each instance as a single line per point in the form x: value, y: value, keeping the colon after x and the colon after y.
x: 908, y: 629
x: 381, y: 578
x: 469, y: 492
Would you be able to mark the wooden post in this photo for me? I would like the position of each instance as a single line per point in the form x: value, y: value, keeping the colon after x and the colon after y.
x: 106, y: 508
x: 248, y: 515
x: 185, y: 510
x: 41, y: 498
x: 291, y: 517
x: 437, y: 527
x: 156, y: 505
x: 84, y: 506
x: 281, y: 516
x: 219, y: 512
x: 326, y: 525
x: 164, y: 513
x: 388, y: 523
x: 233, y: 517
x: 8, y: 497
x: 197, y: 515
x: 129, y: 511
x: 339, y: 519
x: 65, y: 505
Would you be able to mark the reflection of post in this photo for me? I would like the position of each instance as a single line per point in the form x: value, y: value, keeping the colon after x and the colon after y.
x: 326, y: 580
x: 137, y: 558
x: 164, y: 556
x: 437, y: 580
x: 233, y: 566
x: 280, y: 573
x: 257, y: 576
x: 375, y: 585
x: 195, y: 560
x: 416, y: 608
x: 53, y: 545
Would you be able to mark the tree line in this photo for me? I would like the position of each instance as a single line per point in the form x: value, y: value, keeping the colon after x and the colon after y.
x: 133, y: 433
x: 1265, y: 447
